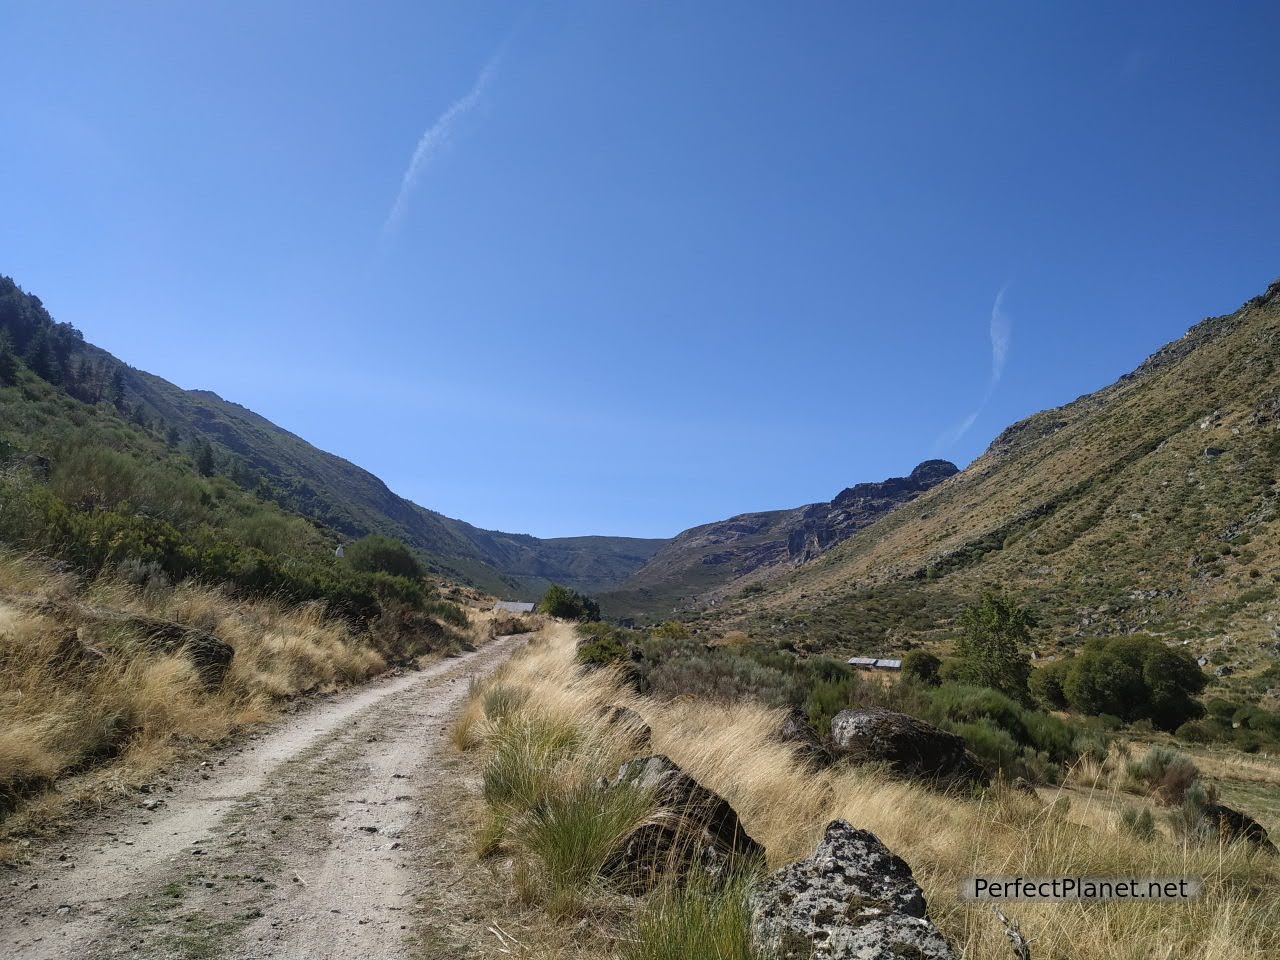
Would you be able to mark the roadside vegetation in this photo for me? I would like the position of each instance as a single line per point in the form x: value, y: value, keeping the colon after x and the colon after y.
x: 90, y: 690
x: 538, y: 731
x: 561, y: 602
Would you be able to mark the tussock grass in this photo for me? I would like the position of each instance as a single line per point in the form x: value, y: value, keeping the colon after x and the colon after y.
x: 570, y: 836
x: 699, y: 920
x: 550, y: 807
x: 1076, y: 831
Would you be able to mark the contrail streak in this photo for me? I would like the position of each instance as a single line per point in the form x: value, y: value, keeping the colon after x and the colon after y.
x: 434, y: 138
x: 1001, y: 328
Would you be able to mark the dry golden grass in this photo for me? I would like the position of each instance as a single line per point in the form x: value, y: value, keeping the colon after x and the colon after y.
x: 62, y: 712
x: 785, y: 806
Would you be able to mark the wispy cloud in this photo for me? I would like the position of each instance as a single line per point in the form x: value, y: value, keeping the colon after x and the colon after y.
x: 1001, y: 330
x: 435, y: 138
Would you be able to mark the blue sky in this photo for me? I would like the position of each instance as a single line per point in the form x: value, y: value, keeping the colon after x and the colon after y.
x: 654, y: 263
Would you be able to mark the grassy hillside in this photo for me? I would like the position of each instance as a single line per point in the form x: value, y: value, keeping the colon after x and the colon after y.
x: 1148, y: 506
x: 228, y: 440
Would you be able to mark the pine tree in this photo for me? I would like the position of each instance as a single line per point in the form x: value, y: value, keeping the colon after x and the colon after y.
x: 205, y: 462
x: 8, y: 361
x: 117, y: 388
x: 40, y: 356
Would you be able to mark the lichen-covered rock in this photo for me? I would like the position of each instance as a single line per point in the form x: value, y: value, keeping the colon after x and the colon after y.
x: 796, y: 732
x: 852, y: 900
x: 909, y: 746
x: 690, y: 828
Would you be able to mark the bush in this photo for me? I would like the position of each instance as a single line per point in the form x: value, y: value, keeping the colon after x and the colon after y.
x: 566, y: 604
x: 1164, y: 772
x: 1046, y: 684
x: 1138, y: 823
x: 1134, y: 678
x: 922, y: 666
x: 378, y: 554
x: 603, y: 650
x: 1194, y: 731
x: 672, y: 630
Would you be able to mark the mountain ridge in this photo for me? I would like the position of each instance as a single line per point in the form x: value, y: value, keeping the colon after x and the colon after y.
x: 704, y: 563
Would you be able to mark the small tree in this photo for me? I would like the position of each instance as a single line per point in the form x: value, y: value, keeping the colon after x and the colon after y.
x: 560, y: 601
x: 990, y: 651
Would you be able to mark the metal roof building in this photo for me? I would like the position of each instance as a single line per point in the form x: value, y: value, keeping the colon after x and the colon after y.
x: 874, y: 663
x: 513, y: 606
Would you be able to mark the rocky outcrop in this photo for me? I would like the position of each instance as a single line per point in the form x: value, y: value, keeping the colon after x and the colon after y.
x: 690, y: 828
x: 908, y: 745
x: 796, y: 731
x: 210, y: 655
x: 1233, y: 826
x: 823, y: 525
x: 852, y: 900
x: 705, y: 560
x: 630, y: 724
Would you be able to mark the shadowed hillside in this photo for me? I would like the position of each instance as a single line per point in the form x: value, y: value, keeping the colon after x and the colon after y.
x: 226, y: 439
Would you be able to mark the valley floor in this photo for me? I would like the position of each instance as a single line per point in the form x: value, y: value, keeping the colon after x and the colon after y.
x: 313, y: 838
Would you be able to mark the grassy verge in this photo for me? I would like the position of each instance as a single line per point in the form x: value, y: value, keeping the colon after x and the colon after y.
x: 785, y: 805
x: 95, y: 708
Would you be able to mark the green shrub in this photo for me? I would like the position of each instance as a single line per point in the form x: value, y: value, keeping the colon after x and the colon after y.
x: 559, y: 601
x: 721, y: 676
x: 1195, y: 731
x: 1165, y: 772
x: 922, y: 666
x: 378, y: 554
x: 672, y: 629
x: 1134, y: 678
x: 603, y: 651
x: 1046, y: 684
x: 1139, y: 824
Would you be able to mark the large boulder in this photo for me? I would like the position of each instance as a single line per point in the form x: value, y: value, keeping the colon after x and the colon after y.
x: 690, y: 828
x: 796, y: 732
x: 909, y: 746
x: 1232, y: 826
x: 852, y: 900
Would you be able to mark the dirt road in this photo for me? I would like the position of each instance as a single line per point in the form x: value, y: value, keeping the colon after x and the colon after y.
x: 309, y: 840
